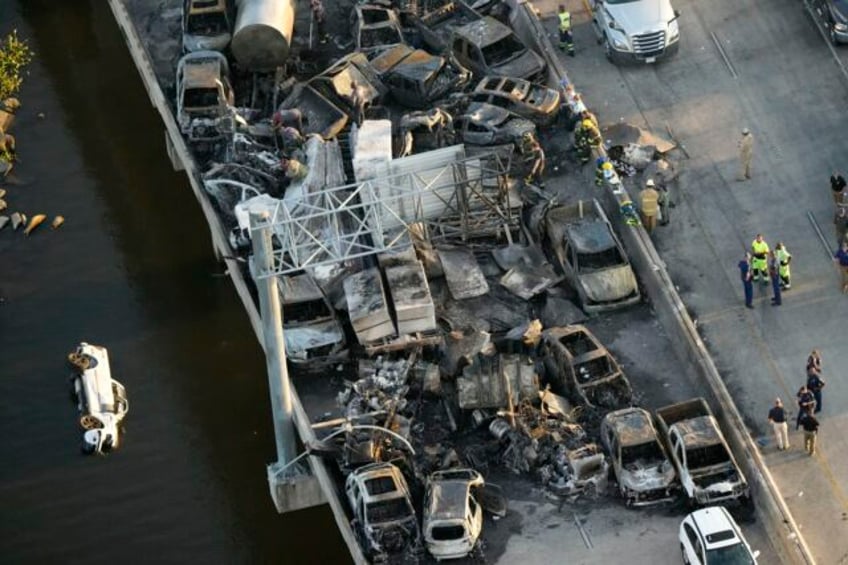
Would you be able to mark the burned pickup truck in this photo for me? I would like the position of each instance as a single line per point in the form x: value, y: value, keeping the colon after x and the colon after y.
x: 706, y: 467
x: 644, y: 473
x: 580, y: 366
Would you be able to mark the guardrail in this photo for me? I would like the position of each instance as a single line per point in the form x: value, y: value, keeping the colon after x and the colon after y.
x: 686, y: 342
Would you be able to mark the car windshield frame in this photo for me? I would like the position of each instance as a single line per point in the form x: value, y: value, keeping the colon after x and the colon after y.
x: 735, y: 554
x: 391, y: 510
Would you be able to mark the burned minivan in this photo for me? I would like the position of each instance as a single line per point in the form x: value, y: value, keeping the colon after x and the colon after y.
x: 312, y: 330
x: 642, y: 469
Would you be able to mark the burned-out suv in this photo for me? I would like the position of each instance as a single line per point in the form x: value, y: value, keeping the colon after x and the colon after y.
x: 488, y: 47
x: 383, y: 516
x: 642, y: 469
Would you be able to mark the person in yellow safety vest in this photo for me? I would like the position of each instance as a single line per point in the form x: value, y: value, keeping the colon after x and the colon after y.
x: 586, y: 136
x: 759, y: 260
x: 566, y: 40
x: 783, y: 258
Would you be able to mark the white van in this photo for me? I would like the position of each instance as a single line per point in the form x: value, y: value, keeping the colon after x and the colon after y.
x: 102, y: 401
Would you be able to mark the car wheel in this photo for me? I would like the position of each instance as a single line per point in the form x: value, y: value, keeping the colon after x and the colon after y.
x: 683, y: 552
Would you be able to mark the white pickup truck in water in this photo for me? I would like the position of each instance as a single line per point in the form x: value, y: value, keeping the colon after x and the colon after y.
x: 102, y: 401
x: 643, y: 31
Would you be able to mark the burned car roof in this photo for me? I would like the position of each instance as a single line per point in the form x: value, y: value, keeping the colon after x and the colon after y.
x: 484, y: 31
x: 698, y: 431
x: 590, y: 236
x: 480, y: 112
x: 633, y: 426
x: 448, y: 499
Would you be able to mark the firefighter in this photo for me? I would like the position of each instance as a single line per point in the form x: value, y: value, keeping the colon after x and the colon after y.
x: 783, y: 258
x: 586, y: 136
x: 566, y: 40
x: 649, y: 205
x: 759, y: 259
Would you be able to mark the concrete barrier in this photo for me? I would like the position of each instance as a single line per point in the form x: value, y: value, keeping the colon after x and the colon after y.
x: 687, y: 343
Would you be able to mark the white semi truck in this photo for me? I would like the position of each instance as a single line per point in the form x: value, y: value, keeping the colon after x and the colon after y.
x: 641, y: 31
x: 101, y: 400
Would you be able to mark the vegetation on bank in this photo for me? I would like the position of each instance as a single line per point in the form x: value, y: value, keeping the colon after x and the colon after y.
x: 15, y: 55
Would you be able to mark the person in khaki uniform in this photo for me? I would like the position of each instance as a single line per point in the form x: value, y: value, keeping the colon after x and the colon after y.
x: 649, y: 204
x: 746, y: 155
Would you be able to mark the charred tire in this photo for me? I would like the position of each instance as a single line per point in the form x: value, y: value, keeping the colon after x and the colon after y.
x: 89, y: 422
x: 78, y: 360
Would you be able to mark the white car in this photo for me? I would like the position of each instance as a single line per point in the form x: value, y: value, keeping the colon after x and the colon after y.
x: 453, y: 518
x: 102, y: 401
x: 710, y: 535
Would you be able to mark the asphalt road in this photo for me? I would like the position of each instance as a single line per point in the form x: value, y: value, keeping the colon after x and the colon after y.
x: 783, y: 83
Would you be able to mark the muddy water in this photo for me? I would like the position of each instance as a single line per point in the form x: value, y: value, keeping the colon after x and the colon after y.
x: 133, y: 269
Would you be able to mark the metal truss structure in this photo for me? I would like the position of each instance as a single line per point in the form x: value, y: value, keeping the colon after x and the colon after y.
x: 449, y: 202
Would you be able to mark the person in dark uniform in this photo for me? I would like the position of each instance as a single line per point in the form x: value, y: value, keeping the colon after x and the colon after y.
x: 837, y: 185
x: 811, y: 430
x: 815, y: 384
x: 747, y: 284
x: 806, y: 404
x: 774, y: 275
x: 777, y: 419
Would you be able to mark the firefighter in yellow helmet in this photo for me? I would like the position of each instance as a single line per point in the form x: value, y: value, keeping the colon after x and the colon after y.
x: 759, y: 259
x: 586, y: 137
x: 566, y: 39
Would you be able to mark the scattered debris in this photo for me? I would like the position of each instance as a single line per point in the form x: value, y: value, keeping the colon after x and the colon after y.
x: 3, y: 221
x: 57, y: 221
x: 18, y: 219
x: 462, y: 273
x: 34, y: 223
x: 497, y: 381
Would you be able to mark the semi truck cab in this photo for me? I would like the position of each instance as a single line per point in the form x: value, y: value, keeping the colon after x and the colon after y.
x: 642, y: 31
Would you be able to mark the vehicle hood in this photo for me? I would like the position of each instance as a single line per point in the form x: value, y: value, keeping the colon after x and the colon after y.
x: 609, y: 284
x: 655, y: 476
x: 515, y: 129
x: 217, y: 42
x: 641, y: 17
x: 526, y: 65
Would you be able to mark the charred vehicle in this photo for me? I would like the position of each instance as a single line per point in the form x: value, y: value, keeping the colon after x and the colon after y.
x: 326, y: 100
x: 528, y: 100
x: 578, y: 364
x: 375, y: 27
x: 204, y: 96
x: 206, y: 25
x: 591, y: 256
x: 383, y: 516
x: 312, y: 330
x: 416, y: 78
x: 488, y: 47
x: 453, y: 518
x: 484, y: 124
x: 642, y: 469
x: 708, y: 472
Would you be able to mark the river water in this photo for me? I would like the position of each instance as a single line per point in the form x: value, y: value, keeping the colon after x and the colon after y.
x: 132, y: 269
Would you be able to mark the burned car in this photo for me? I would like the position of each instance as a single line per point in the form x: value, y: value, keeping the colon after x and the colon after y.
x: 204, y: 96
x: 383, y: 516
x: 206, y: 25
x: 583, y: 470
x: 416, y: 78
x: 485, y: 124
x: 528, y: 100
x: 312, y: 330
x: 488, y: 47
x: 591, y: 256
x: 579, y: 365
x: 375, y: 27
x: 644, y: 473
x: 453, y: 518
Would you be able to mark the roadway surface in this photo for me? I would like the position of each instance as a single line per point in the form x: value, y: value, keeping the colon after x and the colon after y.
x: 783, y: 83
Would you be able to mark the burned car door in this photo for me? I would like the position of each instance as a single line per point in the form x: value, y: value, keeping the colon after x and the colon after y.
x: 478, y: 134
